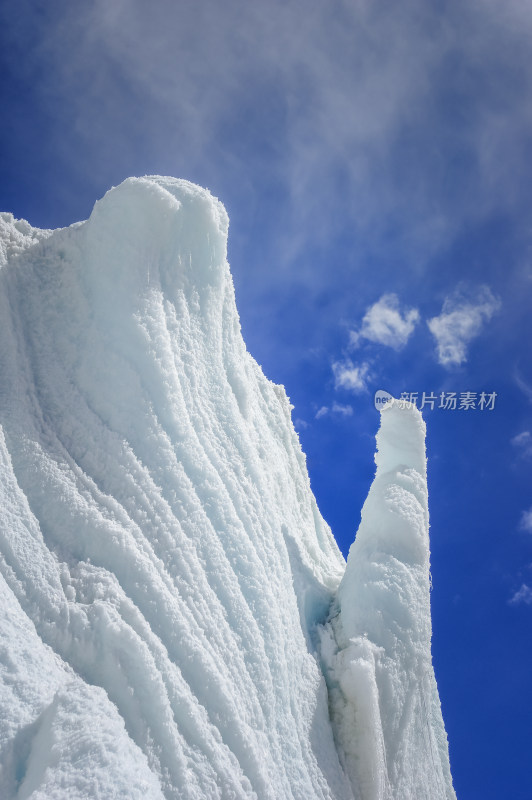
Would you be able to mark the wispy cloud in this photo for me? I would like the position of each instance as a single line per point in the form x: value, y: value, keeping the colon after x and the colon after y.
x: 300, y: 424
x: 523, y: 385
x: 523, y: 444
x: 350, y: 376
x: 525, y: 523
x: 522, y: 439
x: 461, y: 320
x: 523, y: 595
x: 354, y: 99
x: 384, y: 323
x: 337, y: 409
x: 343, y: 411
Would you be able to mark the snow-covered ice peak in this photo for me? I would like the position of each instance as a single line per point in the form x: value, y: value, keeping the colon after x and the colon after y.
x: 162, y: 559
x: 164, y: 568
x: 376, y: 647
x: 177, y: 239
x: 401, y: 439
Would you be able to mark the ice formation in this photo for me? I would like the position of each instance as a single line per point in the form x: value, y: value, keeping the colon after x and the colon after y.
x: 176, y: 620
x: 385, y: 706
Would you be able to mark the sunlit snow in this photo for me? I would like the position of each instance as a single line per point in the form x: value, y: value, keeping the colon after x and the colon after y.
x: 176, y: 620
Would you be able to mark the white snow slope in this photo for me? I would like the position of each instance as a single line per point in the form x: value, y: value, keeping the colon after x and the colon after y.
x: 164, y: 569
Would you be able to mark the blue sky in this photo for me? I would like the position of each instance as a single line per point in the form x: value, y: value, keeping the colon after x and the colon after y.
x: 375, y: 159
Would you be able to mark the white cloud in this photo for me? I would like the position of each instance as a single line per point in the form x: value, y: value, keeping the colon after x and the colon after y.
x: 343, y: 411
x: 523, y: 385
x: 461, y: 321
x: 384, y: 323
x: 300, y: 424
x: 523, y: 595
x: 352, y: 84
x: 522, y: 439
x: 336, y: 409
x: 353, y: 377
x: 526, y: 521
x: 523, y: 442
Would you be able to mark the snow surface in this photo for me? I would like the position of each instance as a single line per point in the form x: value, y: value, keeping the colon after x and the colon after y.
x: 171, y: 598
x: 376, y: 645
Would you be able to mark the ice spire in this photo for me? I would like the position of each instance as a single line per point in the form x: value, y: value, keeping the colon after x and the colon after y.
x: 384, y: 700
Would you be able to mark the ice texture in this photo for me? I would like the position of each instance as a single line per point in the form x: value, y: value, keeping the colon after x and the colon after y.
x: 165, y: 575
x: 376, y: 646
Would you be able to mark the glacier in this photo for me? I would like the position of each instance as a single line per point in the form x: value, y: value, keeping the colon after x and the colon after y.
x: 176, y: 619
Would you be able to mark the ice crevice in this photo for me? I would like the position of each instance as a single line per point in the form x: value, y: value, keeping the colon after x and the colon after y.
x: 166, y: 578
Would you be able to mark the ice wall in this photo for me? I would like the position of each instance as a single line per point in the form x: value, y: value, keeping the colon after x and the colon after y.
x: 162, y: 557
x: 376, y: 645
x: 163, y: 564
